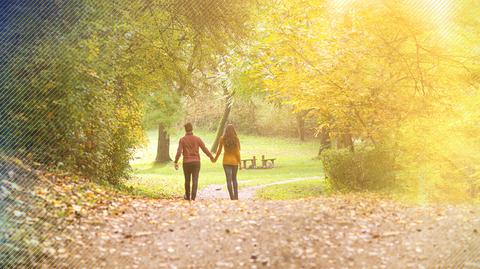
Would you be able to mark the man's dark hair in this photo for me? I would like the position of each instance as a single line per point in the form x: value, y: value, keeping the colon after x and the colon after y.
x: 188, y: 127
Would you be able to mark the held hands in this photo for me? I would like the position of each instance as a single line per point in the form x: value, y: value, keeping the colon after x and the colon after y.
x: 176, y: 166
x: 214, y: 159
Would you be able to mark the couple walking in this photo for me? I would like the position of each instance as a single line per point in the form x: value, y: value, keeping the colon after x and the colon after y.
x: 189, y: 146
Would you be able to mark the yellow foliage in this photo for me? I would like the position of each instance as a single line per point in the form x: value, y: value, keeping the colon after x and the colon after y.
x: 387, y: 73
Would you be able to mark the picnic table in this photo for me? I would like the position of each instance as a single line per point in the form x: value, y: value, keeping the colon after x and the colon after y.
x: 253, y: 163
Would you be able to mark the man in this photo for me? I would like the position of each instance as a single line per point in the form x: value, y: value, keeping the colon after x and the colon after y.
x: 188, y: 147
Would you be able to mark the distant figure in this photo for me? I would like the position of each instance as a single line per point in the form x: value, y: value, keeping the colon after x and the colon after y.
x: 188, y: 147
x: 231, y: 159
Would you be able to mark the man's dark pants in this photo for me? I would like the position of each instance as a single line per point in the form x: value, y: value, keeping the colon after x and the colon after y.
x: 191, y: 172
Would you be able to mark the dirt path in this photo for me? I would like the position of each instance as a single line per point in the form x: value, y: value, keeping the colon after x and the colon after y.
x: 333, y: 232
x: 217, y: 191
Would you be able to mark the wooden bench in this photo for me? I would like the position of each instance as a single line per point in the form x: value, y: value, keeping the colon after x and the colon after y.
x: 253, y: 163
x: 266, y: 161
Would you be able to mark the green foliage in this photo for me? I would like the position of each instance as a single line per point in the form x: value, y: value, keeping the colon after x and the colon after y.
x: 365, y: 169
x: 75, y: 94
x: 163, y: 107
x: 70, y: 106
x: 29, y: 95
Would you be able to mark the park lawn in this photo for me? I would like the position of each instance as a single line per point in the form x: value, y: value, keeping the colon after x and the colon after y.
x: 294, y: 159
x: 293, y: 190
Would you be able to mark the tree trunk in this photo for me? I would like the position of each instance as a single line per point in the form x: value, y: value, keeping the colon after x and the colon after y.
x: 345, y: 141
x: 325, y: 141
x: 301, y: 125
x: 163, y: 146
x: 223, y: 121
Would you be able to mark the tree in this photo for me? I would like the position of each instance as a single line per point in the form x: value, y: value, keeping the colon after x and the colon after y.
x: 223, y: 121
x: 379, y: 73
x: 28, y: 93
x: 355, y: 76
x: 200, y: 33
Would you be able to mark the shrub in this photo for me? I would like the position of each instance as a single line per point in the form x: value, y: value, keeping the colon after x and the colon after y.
x: 365, y: 169
x: 63, y: 103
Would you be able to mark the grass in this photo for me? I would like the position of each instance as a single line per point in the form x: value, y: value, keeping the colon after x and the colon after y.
x: 294, y: 190
x: 294, y: 159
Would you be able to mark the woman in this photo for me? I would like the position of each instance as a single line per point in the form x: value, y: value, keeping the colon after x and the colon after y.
x: 231, y: 159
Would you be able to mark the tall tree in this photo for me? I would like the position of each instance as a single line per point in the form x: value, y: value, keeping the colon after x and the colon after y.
x: 356, y: 74
x: 193, y: 34
x: 228, y: 96
x: 384, y: 74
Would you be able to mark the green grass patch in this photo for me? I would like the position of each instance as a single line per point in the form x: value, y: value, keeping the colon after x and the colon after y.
x: 295, y: 190
x: 294, y: 159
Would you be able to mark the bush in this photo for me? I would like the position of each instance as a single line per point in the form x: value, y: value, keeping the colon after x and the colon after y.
x: 63, y: 103
x: 365, y: 169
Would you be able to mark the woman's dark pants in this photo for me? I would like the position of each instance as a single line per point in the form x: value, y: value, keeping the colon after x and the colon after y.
x: 232, y: 184
x: 191, y: 172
